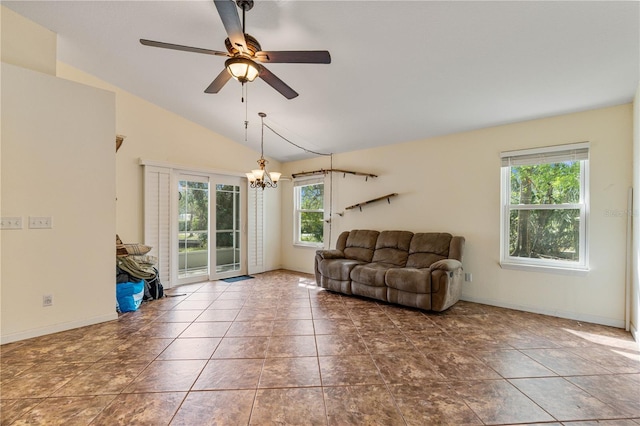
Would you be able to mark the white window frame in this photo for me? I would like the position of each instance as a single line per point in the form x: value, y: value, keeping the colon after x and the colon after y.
x: 552, y: 154
x: 297, y: 184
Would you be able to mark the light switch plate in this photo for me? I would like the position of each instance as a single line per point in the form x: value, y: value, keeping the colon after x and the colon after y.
x: 40, y: 222
x: 11, y: 222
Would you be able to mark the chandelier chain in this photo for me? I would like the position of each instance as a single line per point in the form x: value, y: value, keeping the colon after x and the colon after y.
x: 295, y: 144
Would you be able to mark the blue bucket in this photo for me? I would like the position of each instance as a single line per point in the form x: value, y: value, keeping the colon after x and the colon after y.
x: 129, y: 296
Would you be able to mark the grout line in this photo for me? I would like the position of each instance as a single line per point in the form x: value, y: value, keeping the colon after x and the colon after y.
x: 355, y: 309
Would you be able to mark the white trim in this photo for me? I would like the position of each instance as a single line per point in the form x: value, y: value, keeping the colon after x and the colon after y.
x: 297, y: 185
x: 56, y: 328
x: 635, y: 334
x: 557, y: 269
x: 542, y: 265
x: 309, y: 245
x: 308, y: 180
x: 189, y: 169
x: 560, y: 314
x: 546, y: 149
x: 629, y: 263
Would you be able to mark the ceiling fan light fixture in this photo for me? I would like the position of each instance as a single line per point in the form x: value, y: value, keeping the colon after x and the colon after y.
x: 242, y: 69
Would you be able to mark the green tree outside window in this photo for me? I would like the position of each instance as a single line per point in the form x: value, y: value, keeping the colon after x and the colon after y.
x: 552, y: 232
x: 311, y: 213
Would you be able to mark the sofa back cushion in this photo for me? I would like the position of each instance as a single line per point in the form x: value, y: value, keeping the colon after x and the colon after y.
x: 342, y: 241
x: 393, y: 247
x: 428, y: 247
x: 360, y: 244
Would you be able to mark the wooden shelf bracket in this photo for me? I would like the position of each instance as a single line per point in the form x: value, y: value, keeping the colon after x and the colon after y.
x: 359, y: 205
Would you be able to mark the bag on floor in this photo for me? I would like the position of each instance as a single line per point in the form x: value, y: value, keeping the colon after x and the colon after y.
x: 153, y: 287
x: 134, y: 268
x: 129, y: 296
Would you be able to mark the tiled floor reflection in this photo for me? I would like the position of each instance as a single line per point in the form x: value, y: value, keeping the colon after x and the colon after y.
x: 278, y: 350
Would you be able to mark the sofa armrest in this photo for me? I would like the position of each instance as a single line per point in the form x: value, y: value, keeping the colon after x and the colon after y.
x: 448, y: 265
x: 330, y: 254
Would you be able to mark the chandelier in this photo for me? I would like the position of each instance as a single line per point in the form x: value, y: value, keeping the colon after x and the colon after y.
x: 260, y: 178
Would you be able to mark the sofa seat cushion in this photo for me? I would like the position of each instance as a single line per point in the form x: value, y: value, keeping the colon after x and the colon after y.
x: 411, y: 280
x: 337, y: 269
x: 371, y: 274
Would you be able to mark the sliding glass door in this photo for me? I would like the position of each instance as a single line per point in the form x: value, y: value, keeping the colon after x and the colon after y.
x: 210, y: 237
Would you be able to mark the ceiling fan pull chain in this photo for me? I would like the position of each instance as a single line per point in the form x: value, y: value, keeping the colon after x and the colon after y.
x: 246, y: 118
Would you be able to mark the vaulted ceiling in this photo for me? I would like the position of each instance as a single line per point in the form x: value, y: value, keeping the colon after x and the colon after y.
x: 400, y: 71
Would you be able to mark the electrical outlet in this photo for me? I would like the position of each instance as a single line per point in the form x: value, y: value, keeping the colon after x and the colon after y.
x: 11, y: 222
x: 47, y: 300
x: 468, y: 277
x: 40, y: 222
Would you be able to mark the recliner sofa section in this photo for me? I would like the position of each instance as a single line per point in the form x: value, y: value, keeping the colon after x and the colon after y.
x: 421, y: 270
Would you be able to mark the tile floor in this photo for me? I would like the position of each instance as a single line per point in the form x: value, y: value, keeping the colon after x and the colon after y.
x: 278, y: 350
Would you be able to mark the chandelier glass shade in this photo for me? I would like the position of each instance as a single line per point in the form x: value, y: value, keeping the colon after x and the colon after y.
x: 261, y: 178
x: 242, y: 69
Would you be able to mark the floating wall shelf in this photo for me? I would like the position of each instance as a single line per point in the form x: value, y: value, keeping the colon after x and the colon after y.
x: 359, y: 205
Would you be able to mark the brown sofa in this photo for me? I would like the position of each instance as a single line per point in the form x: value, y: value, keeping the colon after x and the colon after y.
x: 421, y: 270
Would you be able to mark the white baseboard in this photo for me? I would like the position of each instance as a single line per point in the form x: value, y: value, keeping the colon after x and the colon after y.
x: 634, y: 333
x: 56, y: 328
x: 554, y: 313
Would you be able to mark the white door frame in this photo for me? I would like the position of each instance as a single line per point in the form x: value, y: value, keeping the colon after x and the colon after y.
x: 154, y: 216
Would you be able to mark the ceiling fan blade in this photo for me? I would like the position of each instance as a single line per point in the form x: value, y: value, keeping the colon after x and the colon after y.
x: 295, y: 57
x: 182, y: 48
x: 273, y: 81
x: 228, y: 12
x: 219, y: 82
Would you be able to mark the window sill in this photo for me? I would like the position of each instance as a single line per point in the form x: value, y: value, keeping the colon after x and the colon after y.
x: 309, y: 245
x: 582, y: 271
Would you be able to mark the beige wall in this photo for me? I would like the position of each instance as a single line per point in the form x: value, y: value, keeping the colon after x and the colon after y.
x: 57, y: 161
x: 452, y: 184
x: 154, y: 133
x: 27, y: 44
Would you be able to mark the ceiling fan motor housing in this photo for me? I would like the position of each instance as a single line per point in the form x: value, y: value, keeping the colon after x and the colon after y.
x: 252, y: 45
x: 245, y: 5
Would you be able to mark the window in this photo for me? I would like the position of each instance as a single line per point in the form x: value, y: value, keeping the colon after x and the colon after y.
x: 545, y: 207
x: 309, y: 212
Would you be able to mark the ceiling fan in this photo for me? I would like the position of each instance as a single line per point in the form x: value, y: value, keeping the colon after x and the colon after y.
x: 244, y: 52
